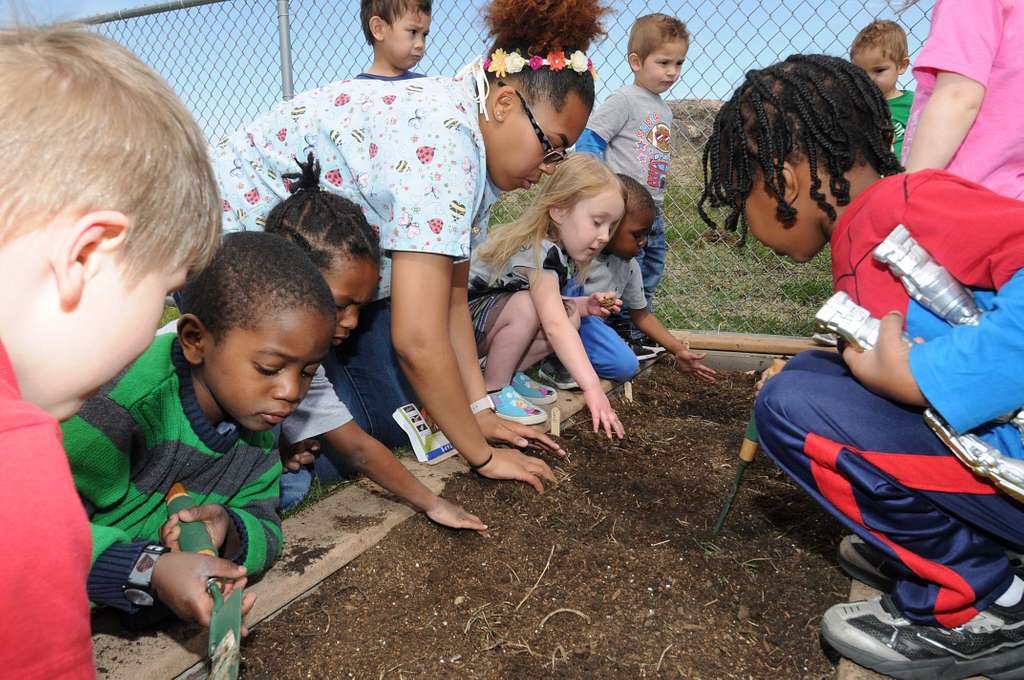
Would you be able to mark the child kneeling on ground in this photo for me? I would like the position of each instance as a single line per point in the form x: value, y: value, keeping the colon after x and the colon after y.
x: 801, y: 156
x: 334, y: 233
x: 197, y: 409
x: 617, y: 269
x: 515, y: 290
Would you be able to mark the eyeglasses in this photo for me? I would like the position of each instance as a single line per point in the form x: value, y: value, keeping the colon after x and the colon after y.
x: 552, y: 155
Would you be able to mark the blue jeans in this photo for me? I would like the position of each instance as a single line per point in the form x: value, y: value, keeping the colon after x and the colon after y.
x: 652, y: 258
x: 366, y: 375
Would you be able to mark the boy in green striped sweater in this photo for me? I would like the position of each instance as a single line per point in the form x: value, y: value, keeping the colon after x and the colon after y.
x: 197, y: 408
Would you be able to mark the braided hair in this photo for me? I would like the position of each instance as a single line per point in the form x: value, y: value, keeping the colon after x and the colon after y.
x: 323, y: 224
x: 814, y: 107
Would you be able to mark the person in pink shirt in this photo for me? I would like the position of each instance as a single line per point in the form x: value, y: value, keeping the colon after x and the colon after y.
x: 966, y: 116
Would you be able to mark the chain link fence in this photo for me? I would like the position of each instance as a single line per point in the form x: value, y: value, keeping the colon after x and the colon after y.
x: 224, y: 60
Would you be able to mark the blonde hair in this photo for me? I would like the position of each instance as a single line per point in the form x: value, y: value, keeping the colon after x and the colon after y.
x: 87, y: 126
x: 653, y: 30
x: 887, y: 36
x: 579, y: 177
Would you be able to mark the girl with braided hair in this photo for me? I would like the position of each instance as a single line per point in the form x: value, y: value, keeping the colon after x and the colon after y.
x: 335, y: 235
x: 800, y: 158
x: 425, y: 160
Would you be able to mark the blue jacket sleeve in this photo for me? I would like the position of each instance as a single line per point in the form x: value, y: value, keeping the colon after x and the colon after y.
x: 592, y: 143
x: 976, y: 373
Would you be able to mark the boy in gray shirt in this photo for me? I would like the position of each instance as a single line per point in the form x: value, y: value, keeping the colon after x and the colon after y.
x: 632, y: 128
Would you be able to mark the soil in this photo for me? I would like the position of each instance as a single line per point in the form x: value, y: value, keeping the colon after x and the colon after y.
x: 614, y: 573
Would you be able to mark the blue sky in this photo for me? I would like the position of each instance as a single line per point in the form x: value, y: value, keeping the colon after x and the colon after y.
x: 223, y: 59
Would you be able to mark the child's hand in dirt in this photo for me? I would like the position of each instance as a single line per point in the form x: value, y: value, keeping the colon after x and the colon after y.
x: 603, y: 304
x: 179, y: 581
x: 689, y: 362
x: 499, y: 431
x: 510, y: 464
x: 602, y: 413
x: 452, y: 516
x: 294, y: 456
x: 214, y: 516
x: 770, y: 372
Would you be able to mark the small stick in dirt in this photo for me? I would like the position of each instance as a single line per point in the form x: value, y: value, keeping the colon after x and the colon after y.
x: 627, y: 391
x: 594, y: 525
x: 564, y: 610
x: 564, y: 658
x: 544, y: 571
x: 512, y: 571
x: 556, y: 421
x: 662, y: 658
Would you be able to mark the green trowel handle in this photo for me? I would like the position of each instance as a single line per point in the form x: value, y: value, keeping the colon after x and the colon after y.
x: 751, y: 434
x: 194, y: 537
x: 225, y: 631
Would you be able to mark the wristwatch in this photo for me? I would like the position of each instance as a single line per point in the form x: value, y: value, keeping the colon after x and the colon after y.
x: 138, y: 590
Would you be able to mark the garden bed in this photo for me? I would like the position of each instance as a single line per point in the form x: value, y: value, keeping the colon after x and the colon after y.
x: 613, y: 573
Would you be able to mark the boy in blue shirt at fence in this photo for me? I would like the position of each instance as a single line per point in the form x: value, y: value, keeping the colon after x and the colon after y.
x: 632, y: 129
x: 397, y: 31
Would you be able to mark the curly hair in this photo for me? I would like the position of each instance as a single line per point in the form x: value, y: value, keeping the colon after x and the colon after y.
x: 814, y: 107
x: 254, y: 277
x: 538, y: 27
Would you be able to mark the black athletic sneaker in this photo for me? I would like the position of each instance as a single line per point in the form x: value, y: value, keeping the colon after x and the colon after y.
x: 552, y: 370
x: 874, y: 634
x: 649, y: 343
x: 870, y: 566
x: 867, y: 564
x: 642, y: 353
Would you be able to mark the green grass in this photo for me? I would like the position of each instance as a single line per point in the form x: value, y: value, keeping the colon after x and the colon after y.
x: 170, y: 314
x: 317, y: 492
x: 716, y: 286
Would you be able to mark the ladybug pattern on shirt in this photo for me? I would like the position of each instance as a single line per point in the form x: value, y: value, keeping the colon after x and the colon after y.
x: 411, y: 156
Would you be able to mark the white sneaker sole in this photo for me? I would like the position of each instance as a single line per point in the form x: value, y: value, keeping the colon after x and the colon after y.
x: 537, y: 419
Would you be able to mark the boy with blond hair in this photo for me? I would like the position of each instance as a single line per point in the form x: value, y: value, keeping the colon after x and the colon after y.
x: 107, y: 200
x: 397, y: 31
x: 881, y: 50
x: 631, y: 131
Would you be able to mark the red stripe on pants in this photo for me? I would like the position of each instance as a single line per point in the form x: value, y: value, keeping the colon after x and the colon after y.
x: 953, y: 603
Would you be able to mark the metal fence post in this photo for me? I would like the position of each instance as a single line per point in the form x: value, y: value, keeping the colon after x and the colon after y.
x: 284, y: 32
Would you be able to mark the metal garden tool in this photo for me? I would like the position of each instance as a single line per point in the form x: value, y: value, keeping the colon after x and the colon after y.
x: 748, y: 450
x: 226, y: 621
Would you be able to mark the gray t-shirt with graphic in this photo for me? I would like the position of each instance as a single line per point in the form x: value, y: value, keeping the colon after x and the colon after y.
x: 637, y: 124
x: 613, y: 273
